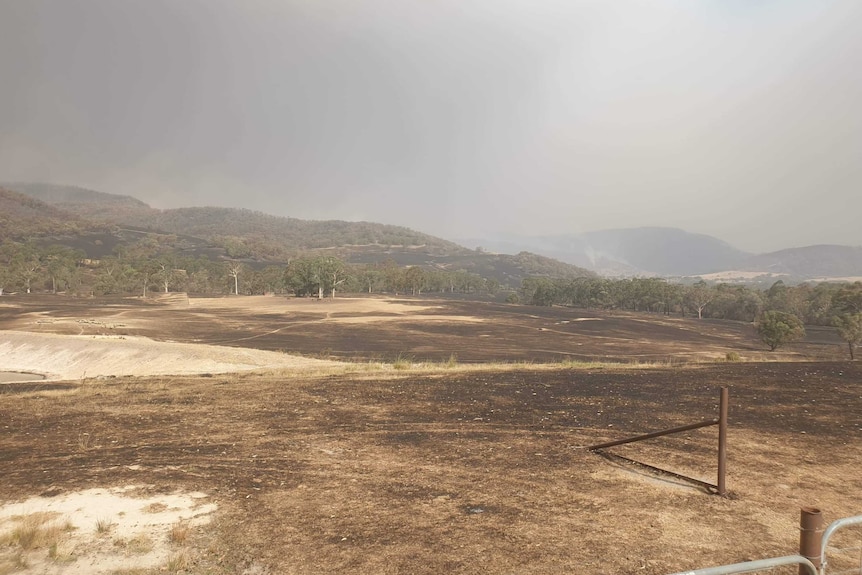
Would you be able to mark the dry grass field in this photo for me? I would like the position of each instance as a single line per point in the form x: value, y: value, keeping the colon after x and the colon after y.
x: 410, y: 460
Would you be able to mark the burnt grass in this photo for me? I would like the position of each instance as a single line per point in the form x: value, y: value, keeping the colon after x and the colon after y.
x: 456, y: 470
x: 464, y: 472
x: 496, y: 332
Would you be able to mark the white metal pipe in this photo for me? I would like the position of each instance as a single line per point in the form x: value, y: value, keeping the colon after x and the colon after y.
x: 750, y: 566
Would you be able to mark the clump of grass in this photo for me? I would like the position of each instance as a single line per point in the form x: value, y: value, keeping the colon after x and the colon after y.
x: 179, y: 561
x: 85, y: 441
x: 452, y: 361
x: 179, y: 533
x: 35, y: 530
x: 60, y: 553
x: 104, y: 525
x: 156, y: 507
x: 26, y: 535
x: 572, y: 363
x: 402, y: 362
x: 732, y: 356
x: 138, y: 545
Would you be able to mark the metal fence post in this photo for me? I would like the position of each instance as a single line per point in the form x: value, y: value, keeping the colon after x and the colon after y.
x: 722, y: 442
x: 810, y: 535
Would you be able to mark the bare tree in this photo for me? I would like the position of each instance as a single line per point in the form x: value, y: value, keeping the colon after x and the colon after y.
x: 166, y: 276
x: 234, y: 269
x: 698, y: 296
x: 336, y: 273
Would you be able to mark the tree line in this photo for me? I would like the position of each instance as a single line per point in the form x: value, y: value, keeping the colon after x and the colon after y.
x: 153, y: 265
x: 779, y: 312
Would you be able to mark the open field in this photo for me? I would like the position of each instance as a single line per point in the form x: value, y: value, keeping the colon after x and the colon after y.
x: 445, y: 468
x: 377, y: 329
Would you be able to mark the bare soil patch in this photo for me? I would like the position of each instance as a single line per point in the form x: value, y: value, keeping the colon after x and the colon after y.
x: 100, y: 531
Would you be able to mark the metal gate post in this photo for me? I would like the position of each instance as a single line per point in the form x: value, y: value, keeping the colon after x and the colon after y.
x: 810, y: 535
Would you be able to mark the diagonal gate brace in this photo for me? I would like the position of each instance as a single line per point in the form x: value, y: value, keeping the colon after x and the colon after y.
x: 721, y: 422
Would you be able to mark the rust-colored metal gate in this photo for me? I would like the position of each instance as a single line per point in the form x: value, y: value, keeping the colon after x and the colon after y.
x: 721, y: 486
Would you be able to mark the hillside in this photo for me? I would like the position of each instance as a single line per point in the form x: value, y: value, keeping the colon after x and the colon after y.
x: 809, y: 262
x: 273, y: 234
x: 87, y: 204
x: 506, y: 269
x: 255, y: 237
x: 292, y: 233
x: 24, y: 217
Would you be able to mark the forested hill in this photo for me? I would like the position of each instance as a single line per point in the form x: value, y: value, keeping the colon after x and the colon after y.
x: 257, y: 238
x: 268, y: 233
x: 84, y: 203
x: 22, y: 217
x: 212, y: 222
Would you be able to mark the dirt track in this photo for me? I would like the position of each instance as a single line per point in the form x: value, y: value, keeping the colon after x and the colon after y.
x: 458, y: 471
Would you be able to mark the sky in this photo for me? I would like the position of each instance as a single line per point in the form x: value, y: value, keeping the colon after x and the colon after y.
x: 740, y: 119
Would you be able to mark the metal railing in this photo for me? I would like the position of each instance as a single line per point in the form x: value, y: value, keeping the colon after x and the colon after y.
x: 805, y: 564
x: 833, y: 527
x: 759, y: 565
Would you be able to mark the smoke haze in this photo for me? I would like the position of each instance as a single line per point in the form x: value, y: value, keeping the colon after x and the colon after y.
x: 739, y: 119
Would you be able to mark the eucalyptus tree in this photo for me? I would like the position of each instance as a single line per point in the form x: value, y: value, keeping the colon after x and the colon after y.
x: 315, y: 275
x: 61, y: 264
x: 849, y: 326
x: 698, y: 296
x: 416, y: 279
x: 777, y: 328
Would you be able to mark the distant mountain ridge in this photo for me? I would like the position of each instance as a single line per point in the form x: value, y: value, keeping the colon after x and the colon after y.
x: 816, y: 261
x: 634, y: 251
x: 671, y: 252
x: 645, y: 251
x: 255, y: 236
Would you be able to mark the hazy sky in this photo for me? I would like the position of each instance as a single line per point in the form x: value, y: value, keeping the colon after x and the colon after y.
x: 462, y: 118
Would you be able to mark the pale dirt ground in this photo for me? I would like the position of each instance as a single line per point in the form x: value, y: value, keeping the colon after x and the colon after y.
x: 135, y: 534
x: 378, y: 308
x: 81, y: 354
x: 67, y: 357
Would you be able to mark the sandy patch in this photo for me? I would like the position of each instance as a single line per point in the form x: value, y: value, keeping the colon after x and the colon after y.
x: 63, y: 357
x: 17, y: 377
x: 311, y: 305
x: 100, y: 530
x: 423, y: 318
x: 739, y: 275
x: 848, y: 279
